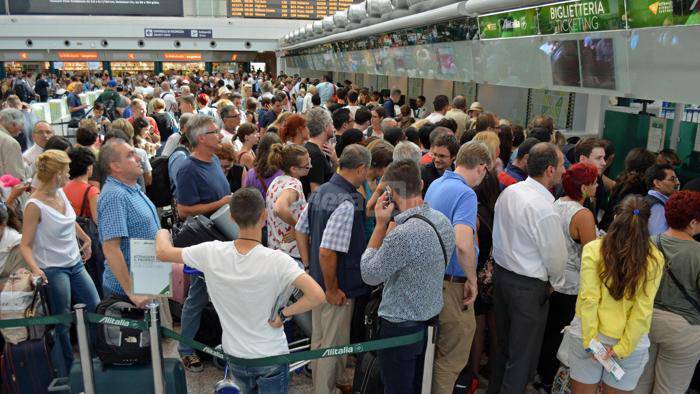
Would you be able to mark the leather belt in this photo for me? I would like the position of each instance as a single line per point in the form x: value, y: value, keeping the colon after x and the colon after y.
x: 455, y: 279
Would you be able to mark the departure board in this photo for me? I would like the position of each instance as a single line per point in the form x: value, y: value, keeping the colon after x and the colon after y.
x: 286, y: 9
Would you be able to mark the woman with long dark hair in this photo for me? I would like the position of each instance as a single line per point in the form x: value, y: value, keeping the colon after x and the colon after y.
x: 620, y: 274
x: 263, y: 173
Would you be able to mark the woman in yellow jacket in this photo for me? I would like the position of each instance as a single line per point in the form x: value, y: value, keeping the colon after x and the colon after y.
x: 620, y: 274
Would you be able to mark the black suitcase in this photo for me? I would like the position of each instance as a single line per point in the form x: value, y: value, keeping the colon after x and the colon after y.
x: 210, y: 331
x: 367, y: 379
x: 26, y: 367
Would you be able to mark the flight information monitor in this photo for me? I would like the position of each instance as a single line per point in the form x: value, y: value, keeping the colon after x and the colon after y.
x: 286, y: 9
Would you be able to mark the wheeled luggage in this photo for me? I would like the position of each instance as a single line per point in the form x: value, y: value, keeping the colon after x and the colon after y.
x: 131, y: 379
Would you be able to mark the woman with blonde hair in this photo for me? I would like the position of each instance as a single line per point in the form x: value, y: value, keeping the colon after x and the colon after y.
x: 55, y: 247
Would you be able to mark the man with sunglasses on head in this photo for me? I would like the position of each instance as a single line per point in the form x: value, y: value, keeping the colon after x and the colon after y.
x: 201, y: 189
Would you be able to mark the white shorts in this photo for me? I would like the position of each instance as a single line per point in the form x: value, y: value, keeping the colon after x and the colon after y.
x: 587, y: 370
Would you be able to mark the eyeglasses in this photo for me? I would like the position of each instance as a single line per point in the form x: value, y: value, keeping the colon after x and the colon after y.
x: 212, y: 132
x: 672, y: 179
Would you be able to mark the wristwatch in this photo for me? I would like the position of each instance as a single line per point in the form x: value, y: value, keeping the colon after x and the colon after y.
x: 282, y: 316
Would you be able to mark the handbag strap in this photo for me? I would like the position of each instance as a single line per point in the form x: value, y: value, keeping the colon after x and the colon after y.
x: 687, y: 296
x: 85, y: 201
x: 442, y: 244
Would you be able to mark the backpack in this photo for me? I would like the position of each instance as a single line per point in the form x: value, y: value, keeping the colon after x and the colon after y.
x: 111, y: 110
x: 160, y: 191
x: 121, y: 345
x: 22, y: 92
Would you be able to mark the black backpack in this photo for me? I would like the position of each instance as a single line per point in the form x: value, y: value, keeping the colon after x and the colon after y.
x: 121, y: 345
x: 22, y: 92
x: 160, y: 191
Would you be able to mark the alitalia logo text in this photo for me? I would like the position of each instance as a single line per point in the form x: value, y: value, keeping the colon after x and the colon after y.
x: 341, y: 351
x: 115, y: 322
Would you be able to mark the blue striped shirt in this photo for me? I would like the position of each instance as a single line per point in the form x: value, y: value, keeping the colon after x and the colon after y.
x: 124, y: 212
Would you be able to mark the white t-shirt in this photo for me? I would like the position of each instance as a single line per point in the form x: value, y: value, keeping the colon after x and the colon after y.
x: 243, y: 289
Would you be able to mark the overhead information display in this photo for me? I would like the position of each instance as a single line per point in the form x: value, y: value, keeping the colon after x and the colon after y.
x: 286, y: 9
x: 97, y: 7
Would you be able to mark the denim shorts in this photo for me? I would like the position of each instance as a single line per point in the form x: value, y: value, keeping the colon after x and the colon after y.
x: 587, y: 370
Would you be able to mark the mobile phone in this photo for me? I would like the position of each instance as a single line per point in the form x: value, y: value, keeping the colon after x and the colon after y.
x: 389, y: 199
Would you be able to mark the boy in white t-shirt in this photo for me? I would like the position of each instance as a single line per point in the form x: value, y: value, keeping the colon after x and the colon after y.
x: 244, y: 280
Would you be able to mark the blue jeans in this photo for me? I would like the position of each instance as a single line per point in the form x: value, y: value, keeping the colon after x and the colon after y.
x: 197, y: 299
x: 65, y: 282
x: 271, y: 379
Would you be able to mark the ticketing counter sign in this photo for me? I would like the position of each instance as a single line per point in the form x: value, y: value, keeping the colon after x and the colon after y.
x: 582, y: 16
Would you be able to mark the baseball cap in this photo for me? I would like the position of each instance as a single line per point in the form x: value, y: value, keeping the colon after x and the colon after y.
x: 223, y: 90
x: 112, y: 83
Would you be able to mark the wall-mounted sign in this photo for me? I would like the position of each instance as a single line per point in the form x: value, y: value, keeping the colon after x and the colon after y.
x: 234, y: 57
x: 582, y: 16
x: 97, y: 7
x: 78, y: 55
x: 652, y: 13
x: 177, y: 33
x: 183, y: 56
x: 509, y: 24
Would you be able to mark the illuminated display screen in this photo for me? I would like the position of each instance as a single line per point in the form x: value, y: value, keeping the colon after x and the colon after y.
x: 286, y: 9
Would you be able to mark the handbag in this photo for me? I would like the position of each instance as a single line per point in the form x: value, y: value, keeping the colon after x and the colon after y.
x: 88, y: 225
x: 484, y: 274
x: 687, y: 296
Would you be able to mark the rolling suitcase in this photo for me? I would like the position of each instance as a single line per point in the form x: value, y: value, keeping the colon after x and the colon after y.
x: 132, y: 379
x: 26, y: 367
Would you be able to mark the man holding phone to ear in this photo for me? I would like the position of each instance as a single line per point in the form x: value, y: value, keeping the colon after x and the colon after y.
x: 410, y: 260
x: 452, y: 195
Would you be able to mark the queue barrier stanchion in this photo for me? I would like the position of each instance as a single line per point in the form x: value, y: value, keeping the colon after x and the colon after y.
x: 429, y: 359
x: 84, y: 348
x: 156, y: 354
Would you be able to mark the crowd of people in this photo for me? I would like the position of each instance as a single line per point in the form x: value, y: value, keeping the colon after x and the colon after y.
x: 516, y: 243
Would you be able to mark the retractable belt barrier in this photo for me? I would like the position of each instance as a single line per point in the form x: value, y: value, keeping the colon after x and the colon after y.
x: 334, y: 351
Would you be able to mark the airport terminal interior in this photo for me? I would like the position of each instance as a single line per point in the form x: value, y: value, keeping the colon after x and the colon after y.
x: 244, y: 196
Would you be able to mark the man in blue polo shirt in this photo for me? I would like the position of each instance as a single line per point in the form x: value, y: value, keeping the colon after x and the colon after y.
x: 201, y: 189
x: 452, y: 195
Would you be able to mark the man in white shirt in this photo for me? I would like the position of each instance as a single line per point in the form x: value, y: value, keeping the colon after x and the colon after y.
x: 41, y: 134
x: 231, y: 119
x: 169, y: 97
x: 353, y: 96
x: 245, y: 280
x: 530, y: 253
x: 441, y: 105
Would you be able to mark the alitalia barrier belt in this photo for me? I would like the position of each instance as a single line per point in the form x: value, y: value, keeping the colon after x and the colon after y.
x: 290, y: 358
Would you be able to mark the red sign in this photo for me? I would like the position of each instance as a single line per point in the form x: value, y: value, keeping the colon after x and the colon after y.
x: 234, y: 57
x: 23, y: 55
x: 131, y: 56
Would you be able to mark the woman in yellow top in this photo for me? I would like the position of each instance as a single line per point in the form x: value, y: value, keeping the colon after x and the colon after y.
x: 620, y: 274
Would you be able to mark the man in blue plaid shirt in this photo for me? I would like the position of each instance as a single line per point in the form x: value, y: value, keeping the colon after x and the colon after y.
x: 125, y: 212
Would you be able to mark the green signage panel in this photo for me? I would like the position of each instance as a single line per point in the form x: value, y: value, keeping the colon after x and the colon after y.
x: 509, y: 24
x: 582, y: 16
x: 655, y: 13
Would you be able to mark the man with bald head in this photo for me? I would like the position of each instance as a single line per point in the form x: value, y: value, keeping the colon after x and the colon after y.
x: 41, y: 133
x: 167, y: 95
x: 458, y: 113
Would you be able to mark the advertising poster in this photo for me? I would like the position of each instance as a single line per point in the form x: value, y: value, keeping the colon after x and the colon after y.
x: 655, y: 13
x: 509, y: 24
x: 657, y: 134
x: 550, y: 102
x: 582, y: 16
x: 148, y: 275
x: 97, y: 7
